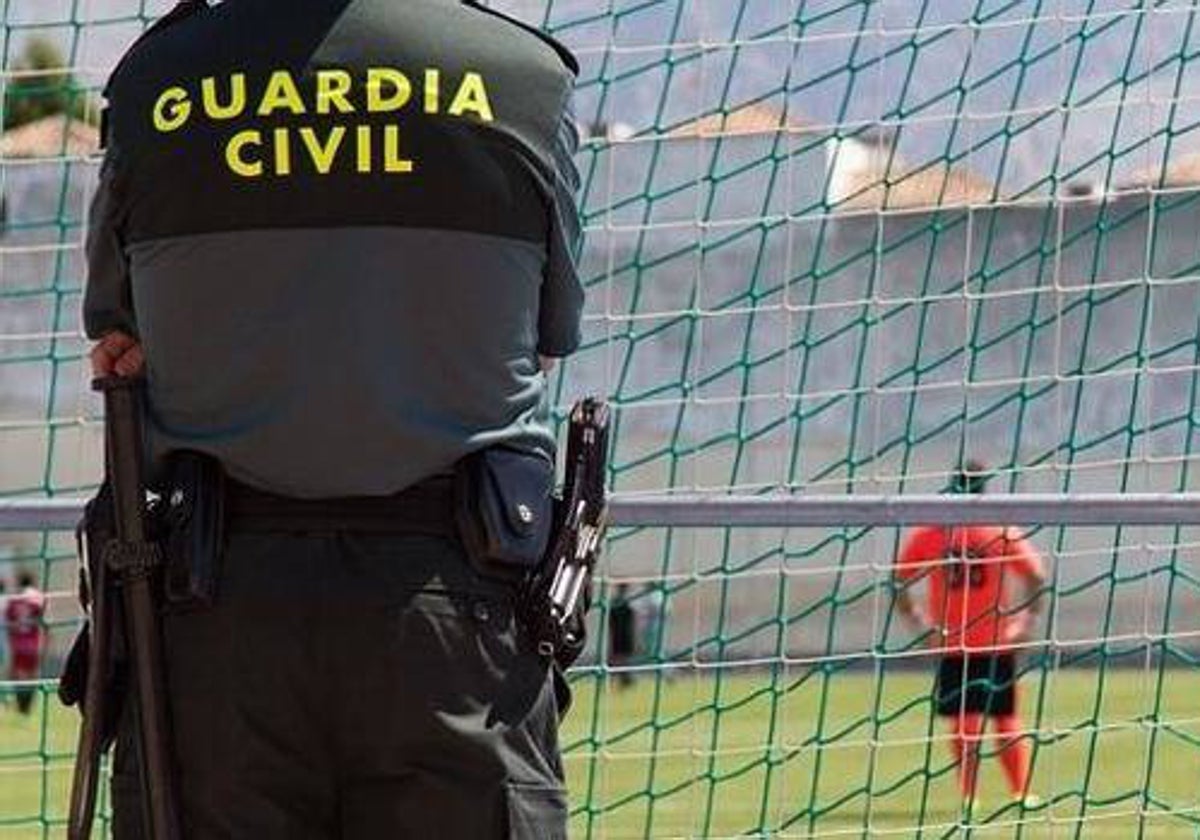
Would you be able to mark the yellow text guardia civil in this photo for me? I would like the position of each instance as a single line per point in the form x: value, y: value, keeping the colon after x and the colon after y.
x: 260, y: 150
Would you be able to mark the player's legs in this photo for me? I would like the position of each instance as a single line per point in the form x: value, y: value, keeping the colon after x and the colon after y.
x: 24, y: 668
x: 621, y: 662
x: 5, y: 665
x: 967, y: 733
x: 1014, y: 754
x: 955, y: 700
x: 1012, y: 750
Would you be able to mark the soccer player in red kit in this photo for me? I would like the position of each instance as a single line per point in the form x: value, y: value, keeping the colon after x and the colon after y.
x: 982, y: 597
x: 26, y: 636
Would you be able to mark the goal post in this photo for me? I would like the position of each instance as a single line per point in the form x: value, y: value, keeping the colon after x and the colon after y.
x: 833, y: 249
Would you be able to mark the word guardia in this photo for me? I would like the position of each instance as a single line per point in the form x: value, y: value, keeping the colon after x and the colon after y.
x: 259, y: 150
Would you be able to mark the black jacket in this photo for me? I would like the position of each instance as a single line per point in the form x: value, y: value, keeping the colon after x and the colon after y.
x: 344, y: 230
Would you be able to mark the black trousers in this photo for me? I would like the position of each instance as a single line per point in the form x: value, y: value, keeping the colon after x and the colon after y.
x: 355, y: 686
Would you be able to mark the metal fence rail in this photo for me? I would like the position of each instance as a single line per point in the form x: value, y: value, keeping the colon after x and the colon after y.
x: 798, y: 511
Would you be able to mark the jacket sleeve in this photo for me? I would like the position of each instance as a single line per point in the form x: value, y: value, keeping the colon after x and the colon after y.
x: 561, y: 307
x: 1023, y: 557
x: 108, y: 298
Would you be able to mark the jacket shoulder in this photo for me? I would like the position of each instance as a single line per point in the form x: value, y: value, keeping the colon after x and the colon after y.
x: 182, y: 10
x: 564, y: 53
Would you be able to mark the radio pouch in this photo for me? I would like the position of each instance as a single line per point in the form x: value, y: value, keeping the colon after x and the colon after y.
x: 192, y: 519
x: 503, y: 508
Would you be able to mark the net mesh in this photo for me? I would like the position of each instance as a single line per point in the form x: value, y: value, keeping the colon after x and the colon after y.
x: 832, y: 245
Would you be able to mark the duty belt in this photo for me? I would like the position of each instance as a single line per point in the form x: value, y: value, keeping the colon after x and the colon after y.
x: 426, y: 508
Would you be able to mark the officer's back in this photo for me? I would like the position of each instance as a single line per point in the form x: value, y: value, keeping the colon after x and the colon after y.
x: 345, y: 225
x: 341, y: 235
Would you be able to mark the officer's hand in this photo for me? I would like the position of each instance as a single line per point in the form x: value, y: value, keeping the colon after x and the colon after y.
x: 547, y: 363
x: 117, y: 354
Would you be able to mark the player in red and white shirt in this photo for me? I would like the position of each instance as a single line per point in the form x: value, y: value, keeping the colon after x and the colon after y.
x: 24, y: 612
x: 982, y: 596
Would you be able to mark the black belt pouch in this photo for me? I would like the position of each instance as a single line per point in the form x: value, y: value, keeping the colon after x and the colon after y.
x: 503, y: 508
x: 192, y: 522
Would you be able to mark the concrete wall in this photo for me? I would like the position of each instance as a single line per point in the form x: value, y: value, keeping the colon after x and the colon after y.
x: 772, y: 346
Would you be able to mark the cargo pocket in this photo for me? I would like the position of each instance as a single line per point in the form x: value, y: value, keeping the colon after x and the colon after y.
x: 536, y: 812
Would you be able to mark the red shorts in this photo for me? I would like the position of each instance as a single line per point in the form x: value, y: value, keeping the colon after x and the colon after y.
x: 24, y: 665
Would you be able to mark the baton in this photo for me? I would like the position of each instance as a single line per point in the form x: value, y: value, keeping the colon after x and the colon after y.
x: 133, y: 557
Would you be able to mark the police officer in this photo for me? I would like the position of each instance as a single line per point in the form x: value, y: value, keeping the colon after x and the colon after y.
x: 337, y: 237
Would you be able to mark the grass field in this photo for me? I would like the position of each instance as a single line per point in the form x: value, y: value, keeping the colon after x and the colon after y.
x: 807, y: 754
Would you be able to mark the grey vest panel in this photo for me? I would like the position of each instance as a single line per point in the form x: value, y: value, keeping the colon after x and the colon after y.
x: 325, y: 363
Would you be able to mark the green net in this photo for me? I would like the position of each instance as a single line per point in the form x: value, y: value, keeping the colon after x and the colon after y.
x: 832, y: 245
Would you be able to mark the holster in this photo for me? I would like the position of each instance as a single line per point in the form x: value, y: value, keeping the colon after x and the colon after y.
x: 507, y: 516
x: 514, y: 527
